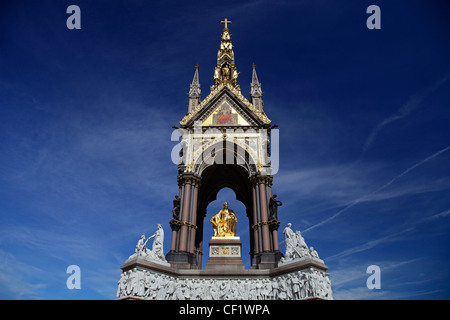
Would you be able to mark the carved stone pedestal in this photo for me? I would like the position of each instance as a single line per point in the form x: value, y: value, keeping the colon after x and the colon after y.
x: 305, y: 278
x: 225, y: 254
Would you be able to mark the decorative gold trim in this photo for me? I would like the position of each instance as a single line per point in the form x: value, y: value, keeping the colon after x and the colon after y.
x: 194, y: 111
x: 198, y: 252
x: 182, y: 223
x: 260, y: 114
x: 268, y: 223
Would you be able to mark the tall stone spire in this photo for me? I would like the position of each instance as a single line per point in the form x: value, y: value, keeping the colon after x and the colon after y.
x: 194, y: 91
x: 255, y: 90
x: 225, y: 71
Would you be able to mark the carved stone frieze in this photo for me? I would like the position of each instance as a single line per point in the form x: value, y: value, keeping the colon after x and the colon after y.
x: 150, y: 285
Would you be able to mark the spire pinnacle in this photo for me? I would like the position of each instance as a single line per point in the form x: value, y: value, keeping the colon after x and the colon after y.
x: 225, y: 71
x: 194, y: 90
x: 255, y: 85
x: 255, y: 90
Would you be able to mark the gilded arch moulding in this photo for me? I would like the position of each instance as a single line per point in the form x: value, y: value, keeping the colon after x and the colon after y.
x: 205, y: 156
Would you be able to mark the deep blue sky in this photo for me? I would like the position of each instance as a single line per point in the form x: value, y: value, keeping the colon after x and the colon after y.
x: 86, y: 119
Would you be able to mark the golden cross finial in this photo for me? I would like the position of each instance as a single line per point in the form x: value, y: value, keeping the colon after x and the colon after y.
x: 225, y: 22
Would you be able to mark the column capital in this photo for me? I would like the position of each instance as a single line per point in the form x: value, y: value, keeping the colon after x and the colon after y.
x: 258, y: 179
x: 189, y: 178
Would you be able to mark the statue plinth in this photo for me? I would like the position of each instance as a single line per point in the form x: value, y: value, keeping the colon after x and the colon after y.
x: 225, y: 254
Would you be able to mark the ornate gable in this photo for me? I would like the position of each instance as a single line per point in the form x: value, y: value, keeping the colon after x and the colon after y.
x: 225, y: 114
x: 225, y: 106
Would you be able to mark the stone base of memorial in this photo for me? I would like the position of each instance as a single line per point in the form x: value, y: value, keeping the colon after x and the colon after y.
x: 305, y: 278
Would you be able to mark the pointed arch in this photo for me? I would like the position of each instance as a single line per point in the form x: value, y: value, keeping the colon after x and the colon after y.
x: 224, y: 151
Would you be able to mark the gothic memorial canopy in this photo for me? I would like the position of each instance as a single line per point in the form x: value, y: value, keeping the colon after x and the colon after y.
x: 225, y: 143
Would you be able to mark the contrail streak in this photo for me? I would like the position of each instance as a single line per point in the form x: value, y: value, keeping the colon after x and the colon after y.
x: 378, y: 190
x: 391, y: 237
x: 406, y: 109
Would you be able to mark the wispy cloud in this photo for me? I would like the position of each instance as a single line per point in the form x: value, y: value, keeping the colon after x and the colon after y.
x: 368, y: 245
x: 82, y: 187
x: 349, y: 280
x: 362, y: 293
x: 413, y: 103
x: 14, y: 278
x: 396, y: 236
x: 437, y: 215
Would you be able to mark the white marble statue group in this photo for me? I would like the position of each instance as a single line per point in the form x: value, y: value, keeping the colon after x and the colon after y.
x: 156, y: 254
x: 296, y: 247
x: 308, y: 283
